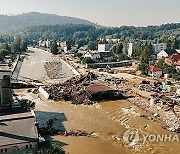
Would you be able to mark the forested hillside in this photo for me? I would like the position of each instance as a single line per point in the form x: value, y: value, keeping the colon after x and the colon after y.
x: 91, y: 32
x: 15, y: 22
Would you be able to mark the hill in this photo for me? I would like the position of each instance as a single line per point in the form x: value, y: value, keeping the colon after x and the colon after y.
x: 90, y: 32
x: 24, y: 20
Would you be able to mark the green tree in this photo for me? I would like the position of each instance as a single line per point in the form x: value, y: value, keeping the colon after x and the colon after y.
x: 79, y: 55
x: 16, y: 45
x: 23, y: 45
x: 3, y: 53
x: 113, y: 59
x: 6, y: 46
x: 117, y: 48
x: 92, y: 45
x: 54, y: 48
x: 162, y: 64
x: 143, y: 67
x: 144, y: 59
x: 87, y: 60
x: 146, y: 53
x: 123, y: 56
x: 175, y: 44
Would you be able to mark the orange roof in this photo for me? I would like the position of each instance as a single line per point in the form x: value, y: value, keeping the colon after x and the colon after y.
x: 178, y: 63
x: 174, y: 58
x: 154, y: 68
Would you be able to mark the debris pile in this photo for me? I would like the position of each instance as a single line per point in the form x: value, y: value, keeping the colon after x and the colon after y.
x: 50, y: 130
x: 53, y: 69
x: 72, y: 89
x: 79, y: 90
x: 53, y: 131
x: 147, y: 87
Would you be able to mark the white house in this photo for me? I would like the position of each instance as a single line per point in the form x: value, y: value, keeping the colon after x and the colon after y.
x: 94, y: 55
x: 131, y: 48
x: 166, y: 53
x: 154, y: 71
x: 104, y: 47
x: 159, y: 47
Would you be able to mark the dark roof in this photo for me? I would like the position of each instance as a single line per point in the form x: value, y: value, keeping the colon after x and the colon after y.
x: 18, y: 129
x: 171, y: 51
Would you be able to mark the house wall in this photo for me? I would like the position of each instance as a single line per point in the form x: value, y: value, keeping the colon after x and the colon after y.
x: 104, y: 47
x: 130, y: 49
x: 94, y: 56
x: 22, y: 148
x: 162, y: 54
x: 155, y: 74
x: 159, y: 47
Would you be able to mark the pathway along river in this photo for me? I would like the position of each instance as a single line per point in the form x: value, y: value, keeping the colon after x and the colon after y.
x: 107, y: 119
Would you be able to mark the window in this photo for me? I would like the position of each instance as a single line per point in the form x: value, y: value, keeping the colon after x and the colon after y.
x: 26, y: 146
x: 30, y: 145
x: 5, y: 150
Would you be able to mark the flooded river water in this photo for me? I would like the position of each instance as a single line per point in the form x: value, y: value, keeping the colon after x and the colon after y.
x: 108, y: 120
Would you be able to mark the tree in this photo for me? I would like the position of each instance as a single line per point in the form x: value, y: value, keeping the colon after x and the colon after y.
x: 175, y: 44
x: 123, y: 56
x: 146, y: 53
x: 144, y: 59
x: 143, y: 67
x: 79, y: 55
x: 6, y: 46
x: 23, y: 45
x: 113, y: 59
x: 138, y: 51
x: 117, y: 48
x: 87, y: 60
x: 15, y: 46
x: 3, y: 53
x: 54, y: 48
x: 92, y: 45
x: 169, y: 44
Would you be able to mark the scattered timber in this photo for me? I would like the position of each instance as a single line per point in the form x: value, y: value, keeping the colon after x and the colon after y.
x: 82, y: 90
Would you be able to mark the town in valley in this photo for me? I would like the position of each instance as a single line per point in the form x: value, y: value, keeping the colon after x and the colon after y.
x: 68, y: 85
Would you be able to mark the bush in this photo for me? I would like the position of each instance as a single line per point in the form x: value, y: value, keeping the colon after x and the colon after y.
x: 87, y: 60
x: 51, y: 149
x: 143, y: 67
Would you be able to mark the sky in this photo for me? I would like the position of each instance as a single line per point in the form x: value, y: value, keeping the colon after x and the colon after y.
x: 104, y: 12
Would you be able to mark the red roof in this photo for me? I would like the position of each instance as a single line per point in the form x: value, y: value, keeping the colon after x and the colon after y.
x: 154, y: 68
x: 174, y: 58
x: 178, y: 63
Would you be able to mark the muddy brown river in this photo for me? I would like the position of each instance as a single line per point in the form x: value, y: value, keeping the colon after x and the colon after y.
x: 108, y: 120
